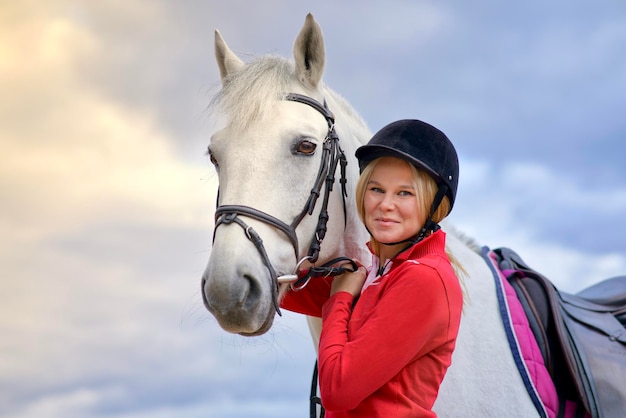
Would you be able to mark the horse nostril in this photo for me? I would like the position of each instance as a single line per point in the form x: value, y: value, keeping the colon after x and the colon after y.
x: 253, y: 295
x: 205, y: 294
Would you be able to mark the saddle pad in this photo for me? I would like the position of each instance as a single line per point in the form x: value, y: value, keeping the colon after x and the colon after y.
x: 523, y: 345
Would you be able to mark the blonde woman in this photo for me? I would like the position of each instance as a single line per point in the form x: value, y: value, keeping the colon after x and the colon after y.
x: 389, y: 330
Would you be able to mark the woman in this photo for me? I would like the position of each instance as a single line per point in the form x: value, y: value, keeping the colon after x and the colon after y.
x: 386, y: 355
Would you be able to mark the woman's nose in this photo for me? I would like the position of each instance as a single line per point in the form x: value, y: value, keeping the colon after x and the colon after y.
x: 388, y: 202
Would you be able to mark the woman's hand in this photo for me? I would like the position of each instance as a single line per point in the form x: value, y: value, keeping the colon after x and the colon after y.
x: 349, y: 282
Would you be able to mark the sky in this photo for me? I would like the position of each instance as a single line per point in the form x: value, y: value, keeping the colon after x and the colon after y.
x: 108, y: 196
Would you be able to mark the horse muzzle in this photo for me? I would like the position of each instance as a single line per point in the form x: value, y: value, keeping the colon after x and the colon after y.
x: 236, y: 289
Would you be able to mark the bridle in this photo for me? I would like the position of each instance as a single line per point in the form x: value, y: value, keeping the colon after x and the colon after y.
x: 332, y: 156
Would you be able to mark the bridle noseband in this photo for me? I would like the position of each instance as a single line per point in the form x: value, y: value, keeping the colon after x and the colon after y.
x: 332, y: 156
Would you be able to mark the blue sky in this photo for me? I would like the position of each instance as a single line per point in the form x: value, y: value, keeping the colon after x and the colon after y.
x: 108, y: 196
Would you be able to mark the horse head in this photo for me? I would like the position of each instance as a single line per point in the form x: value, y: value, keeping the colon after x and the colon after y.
x: 273, y: 156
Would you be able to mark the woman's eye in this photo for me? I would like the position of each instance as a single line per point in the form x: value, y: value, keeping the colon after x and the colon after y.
x: 405, y: 193
x: 306, y: 147
x: 376, y: 190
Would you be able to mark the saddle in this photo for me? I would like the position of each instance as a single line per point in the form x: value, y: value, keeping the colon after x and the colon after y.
x: 582, y: 337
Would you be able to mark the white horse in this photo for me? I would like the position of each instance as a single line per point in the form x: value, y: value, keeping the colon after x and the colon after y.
x: 268, y: 156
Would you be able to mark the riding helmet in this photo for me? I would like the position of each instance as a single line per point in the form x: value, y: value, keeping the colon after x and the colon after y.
x: 419, y: 143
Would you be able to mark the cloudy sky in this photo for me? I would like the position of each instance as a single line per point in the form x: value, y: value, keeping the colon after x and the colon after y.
x: 107, y: 195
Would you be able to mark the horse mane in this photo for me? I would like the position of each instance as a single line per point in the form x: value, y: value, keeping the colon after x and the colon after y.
x: 463, y: 237
x: 251, y: 91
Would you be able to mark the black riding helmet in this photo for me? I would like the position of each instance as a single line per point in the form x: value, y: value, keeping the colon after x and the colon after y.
x: 419, y: 143
x: 422, y: 145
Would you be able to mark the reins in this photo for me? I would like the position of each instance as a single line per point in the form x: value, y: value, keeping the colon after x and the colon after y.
x: 332, y: 157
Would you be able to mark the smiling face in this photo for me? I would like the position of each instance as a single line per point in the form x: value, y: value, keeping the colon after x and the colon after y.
x: 391, y: 207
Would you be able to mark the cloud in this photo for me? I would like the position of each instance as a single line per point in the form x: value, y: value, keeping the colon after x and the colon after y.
x: 72, y: 154
x: 541, y: 214
x: 104, y: 224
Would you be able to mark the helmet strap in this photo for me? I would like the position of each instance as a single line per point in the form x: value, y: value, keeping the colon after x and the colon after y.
x: 431, y: 226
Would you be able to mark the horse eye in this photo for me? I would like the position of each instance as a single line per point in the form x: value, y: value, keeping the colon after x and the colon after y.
x: 306, y: 147
x: 212, y: 157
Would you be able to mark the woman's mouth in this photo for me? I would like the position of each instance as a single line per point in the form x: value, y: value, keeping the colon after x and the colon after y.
x: 386, y: 221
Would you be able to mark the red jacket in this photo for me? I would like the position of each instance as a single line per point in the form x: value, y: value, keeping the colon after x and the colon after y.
x: 387, y: 356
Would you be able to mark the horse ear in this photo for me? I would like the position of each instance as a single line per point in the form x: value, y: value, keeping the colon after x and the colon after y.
x: 308, y: 51
x: 227, y: 61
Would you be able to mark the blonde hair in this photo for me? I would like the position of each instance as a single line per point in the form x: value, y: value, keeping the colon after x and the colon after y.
x: 425, y: 188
